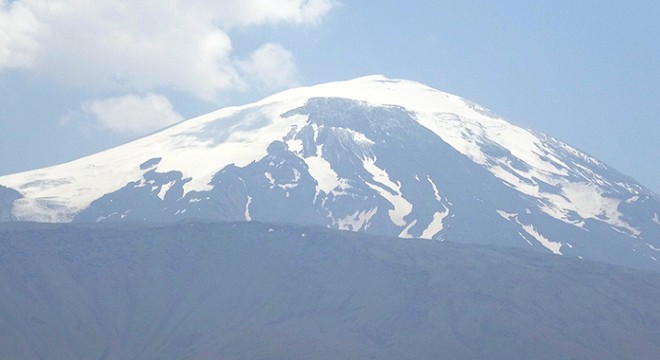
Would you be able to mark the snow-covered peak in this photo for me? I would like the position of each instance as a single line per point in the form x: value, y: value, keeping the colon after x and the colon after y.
x: 565, y: 183
x: 201, y: 146
x: 379, y: 90
x: 374, y: 154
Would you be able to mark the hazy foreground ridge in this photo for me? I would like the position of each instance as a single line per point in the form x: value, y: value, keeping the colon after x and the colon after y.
x: 197, y: 290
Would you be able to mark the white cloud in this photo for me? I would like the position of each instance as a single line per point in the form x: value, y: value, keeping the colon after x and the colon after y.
x: 18, y: 31
x: 270, y: 67
x: 256, y: 12
x: 144, y: 45
x: 133, y: 114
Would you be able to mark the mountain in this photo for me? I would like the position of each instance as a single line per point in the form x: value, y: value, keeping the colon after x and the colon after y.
x: 194, y: 290
x: 388, y: 157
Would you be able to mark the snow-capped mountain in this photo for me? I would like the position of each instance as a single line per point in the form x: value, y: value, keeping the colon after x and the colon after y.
x: 371, y: 154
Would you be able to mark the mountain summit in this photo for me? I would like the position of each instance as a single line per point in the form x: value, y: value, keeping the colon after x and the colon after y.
x: 372, y: 154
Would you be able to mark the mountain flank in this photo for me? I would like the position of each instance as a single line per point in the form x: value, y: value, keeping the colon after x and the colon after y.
x: 375, y: 155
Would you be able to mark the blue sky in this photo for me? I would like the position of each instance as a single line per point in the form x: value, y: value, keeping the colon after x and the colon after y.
x: 586, y: 72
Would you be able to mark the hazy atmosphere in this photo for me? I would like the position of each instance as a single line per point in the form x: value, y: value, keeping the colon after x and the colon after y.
x: 329, y: 179
x: 79, y: 76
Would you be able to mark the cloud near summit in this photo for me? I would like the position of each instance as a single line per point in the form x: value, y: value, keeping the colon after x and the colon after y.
x: 146, y: 46
x: 133, y: 114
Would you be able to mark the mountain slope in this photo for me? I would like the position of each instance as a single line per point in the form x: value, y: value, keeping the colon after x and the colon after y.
x: 195, y: 290
x: 385, y: 156
x: 7, y: 198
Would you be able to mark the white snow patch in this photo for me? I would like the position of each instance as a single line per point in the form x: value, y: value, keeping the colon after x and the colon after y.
x: 529, y: 187
x: 295, y: 145
x: 555, y: 247
x: 524, y: 238
x: 584, y: 199
x: 293, y: 184
x: 247, y: 209
x: 270, y: 178
x: 357, y: 221
x: 164, y: 189
x: 404, y: 233
x: 321, y: 170
x: 656, y: 218
x: 101, y: 218
x: 436, y: 225
x: 287, y: 186
x: 389, y: 191
x: 436, y: 193
x: 506, y: 215
x: 652, y: 247
x: 590, y: 203
x: 356, y: 137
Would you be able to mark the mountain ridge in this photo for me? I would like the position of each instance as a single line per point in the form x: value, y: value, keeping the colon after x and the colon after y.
x: 392, y: 157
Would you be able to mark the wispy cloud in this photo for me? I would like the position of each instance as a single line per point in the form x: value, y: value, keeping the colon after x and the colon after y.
x: 132, y: 114
x: 259, y: 12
